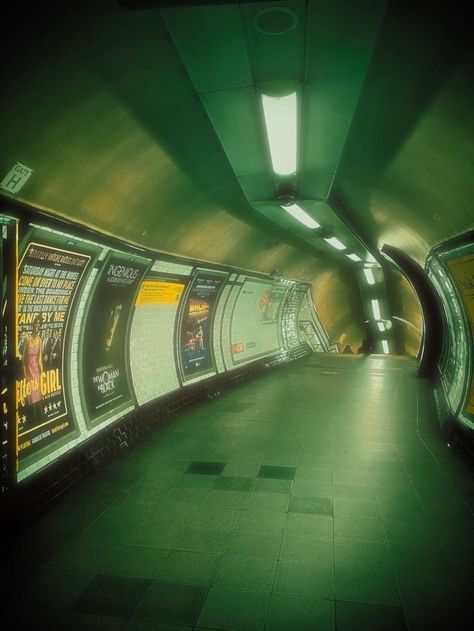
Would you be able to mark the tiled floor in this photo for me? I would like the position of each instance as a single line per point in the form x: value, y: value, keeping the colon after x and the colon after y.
x: 319, y: 496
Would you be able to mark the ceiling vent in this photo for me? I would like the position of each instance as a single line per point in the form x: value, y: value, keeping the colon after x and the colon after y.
x: 275, y: 21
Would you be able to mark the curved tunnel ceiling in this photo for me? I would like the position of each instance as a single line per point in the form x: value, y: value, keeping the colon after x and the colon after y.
x: 145, y: 124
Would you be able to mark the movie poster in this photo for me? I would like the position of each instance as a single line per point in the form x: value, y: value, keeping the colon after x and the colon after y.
x: 48, y: 278
x: 196, y: 324
x: 104, y: 376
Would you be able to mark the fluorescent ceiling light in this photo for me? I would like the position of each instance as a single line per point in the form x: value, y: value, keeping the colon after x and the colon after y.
x: 336, y: 243
x: 369, y: 276
x: 385, y: 347
x: 376, y: 309
x: 354, y: 257
x: 381, y: 326
x: 301, y: 215
x: 280, y: 121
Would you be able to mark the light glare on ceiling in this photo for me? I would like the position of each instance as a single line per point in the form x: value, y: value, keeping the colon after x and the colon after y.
x: 336, y: 243
x: 354, y: 257
x: 376, y: 309
x: 301, y: 215
x: 281, y: 125
x: 369, y: 276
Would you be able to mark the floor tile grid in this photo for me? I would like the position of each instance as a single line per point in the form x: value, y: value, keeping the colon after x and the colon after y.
x: 431, y: 458
x: 333, y: 483
x: 361, y: 434
x: 408, y: 615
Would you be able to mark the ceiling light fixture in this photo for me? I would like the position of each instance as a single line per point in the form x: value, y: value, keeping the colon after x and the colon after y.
x: 385, y: 347
x: 381, y: 326
x: 354, y: 257
x: 281, y: 124
x: 301, y: 215
x: 335, y: 243
x: 376, y: 309
x: 369, y: 276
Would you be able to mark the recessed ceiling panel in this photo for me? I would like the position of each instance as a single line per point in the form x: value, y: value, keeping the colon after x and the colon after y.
x: 235, y: 117
x: 257, y: 186
x: 211, y: 44
x: 276, y: 37
x: 327, y: 113
x: 314, y: 183
x: 341, y: 37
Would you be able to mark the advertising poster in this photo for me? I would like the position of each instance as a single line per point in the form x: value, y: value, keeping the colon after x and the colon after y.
x: 152, y: 357
x: 48, y: 278
x: 462, y: 270
x: 196, y: 324
x: 254, y: 331
x: 104, y: 357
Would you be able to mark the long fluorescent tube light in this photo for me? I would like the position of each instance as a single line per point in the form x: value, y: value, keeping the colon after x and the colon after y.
x: 336, y: 243
x: 280, y: 120
x: 376, y: 309
x: 369, y: 276
x: 385, y: 347
x: 354, y: 257
x: 381, y: 326
x: 301, y: 215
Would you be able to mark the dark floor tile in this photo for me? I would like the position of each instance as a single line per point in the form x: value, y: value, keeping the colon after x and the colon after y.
x: 364, y: 617
x: 114, y: 596
x: 311, y: 505
x: 206, y: 468
x: 165, y: 602
x: 277, y: 473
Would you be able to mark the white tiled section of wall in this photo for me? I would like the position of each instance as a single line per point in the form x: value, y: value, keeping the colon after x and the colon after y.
x: 171, y: 268
x: 226, y: 324
x: 152, y: 359
x: 68, y: 235
x: 216, y: 334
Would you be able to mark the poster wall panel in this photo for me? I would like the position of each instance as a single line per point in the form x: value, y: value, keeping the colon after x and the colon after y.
x: 104, y: 346
x: 152, y: 360
x: 196, y: 324
x: 48, y: 280
x: 255, y: 320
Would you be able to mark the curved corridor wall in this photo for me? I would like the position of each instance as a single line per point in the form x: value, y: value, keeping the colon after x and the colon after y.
x: 450, y: 267
x: 104, y: 328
